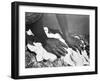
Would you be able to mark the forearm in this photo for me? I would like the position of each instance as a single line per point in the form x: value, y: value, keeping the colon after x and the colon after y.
x: 35, y: 23
x: 62, y: 20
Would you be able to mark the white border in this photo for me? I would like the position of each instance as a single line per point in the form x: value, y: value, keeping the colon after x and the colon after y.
x: 53, y: 70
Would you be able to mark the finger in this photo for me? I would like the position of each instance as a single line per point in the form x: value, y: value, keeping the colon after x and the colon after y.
x: 56, y: 53
x: 79, y: 48
x: 63, y: 49
x: 60, y: 52
x: 62, y: 44
x: 73, y: 47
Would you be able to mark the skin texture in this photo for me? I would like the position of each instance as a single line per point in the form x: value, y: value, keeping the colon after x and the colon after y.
x: 52, y: 45
x: 56, y: 47
x: 70, y: 40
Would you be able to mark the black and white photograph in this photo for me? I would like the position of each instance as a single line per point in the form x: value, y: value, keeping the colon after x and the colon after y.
x: 56, y: 40
x: 50, y: 40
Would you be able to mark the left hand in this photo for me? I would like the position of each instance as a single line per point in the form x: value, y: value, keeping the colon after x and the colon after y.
x: 74, y: 42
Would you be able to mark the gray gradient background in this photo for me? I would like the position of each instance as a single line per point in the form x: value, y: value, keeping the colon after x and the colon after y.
x: 77, y: 24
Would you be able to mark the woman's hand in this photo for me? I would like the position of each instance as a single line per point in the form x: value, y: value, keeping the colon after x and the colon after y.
x: 73, y: 42
x: 56, y: 47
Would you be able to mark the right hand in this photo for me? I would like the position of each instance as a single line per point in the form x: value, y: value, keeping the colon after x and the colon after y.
x: 56, y: 47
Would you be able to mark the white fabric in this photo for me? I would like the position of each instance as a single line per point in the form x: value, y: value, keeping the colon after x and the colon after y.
x: 29, y: 32
x: 41, y: 52
x: 74, y: 58
x: 51, y: 35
